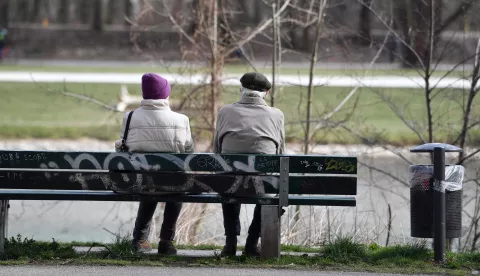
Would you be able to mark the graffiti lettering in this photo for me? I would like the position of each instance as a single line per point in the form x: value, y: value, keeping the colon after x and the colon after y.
x: 13, y: 175
x: 128, y: 165
x: 315, y: 164
x: 339, y: 165
x: 267, y: 164
x: 212, y: 162
x: 13, y: 158
x: 35, y: 157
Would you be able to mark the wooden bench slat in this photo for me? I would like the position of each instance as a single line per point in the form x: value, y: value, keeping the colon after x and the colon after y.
x: 176, y: 162
x: 202, y: 198
x: 175, y: 182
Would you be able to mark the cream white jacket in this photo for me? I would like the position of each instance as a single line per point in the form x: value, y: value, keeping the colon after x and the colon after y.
x: 154, y: 127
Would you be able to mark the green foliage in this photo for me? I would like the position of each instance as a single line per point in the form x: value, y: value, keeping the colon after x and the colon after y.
x: 414, y: 251
x: 344, y: 250
x: 342, y: 253
x: 20, y: 248
x: 121, y: 247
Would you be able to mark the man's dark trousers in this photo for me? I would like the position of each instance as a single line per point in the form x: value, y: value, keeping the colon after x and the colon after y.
x: 145, y: 215
x: 231, y: 222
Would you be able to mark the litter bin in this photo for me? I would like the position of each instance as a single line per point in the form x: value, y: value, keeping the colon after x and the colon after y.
x: 421, y: 200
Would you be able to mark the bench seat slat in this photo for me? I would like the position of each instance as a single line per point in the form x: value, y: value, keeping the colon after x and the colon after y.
x: 319, y: 164
x: 175, y: 182
x: 192, y: 198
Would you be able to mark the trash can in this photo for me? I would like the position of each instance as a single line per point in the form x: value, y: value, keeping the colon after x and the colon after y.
x: 421, y: 200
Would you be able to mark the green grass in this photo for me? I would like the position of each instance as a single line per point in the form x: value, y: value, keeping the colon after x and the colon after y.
x: 341, y: 254
x: 41, y: 111
x: 229, y: 68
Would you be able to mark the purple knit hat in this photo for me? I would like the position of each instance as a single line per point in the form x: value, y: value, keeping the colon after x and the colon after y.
x: 155, y: 87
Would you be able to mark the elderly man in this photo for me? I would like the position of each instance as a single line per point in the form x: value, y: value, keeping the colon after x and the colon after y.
x: 248, y: 126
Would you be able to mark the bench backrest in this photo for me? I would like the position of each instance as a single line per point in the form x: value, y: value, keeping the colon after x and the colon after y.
x: 241, y: 174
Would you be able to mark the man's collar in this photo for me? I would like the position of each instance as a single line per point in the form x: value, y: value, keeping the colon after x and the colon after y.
x: 252, y: 100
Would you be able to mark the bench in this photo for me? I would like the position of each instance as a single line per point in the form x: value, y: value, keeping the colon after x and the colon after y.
x: 275, y: 181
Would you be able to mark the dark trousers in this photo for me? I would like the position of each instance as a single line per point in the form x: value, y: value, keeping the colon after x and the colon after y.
x: 231, y: 221
x: 144, y: 219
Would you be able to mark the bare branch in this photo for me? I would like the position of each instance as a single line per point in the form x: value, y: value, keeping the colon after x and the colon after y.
x: 401, y: 117
x: 460, y: 11
x: 79, y: 96
x: 177, y: 26
x: 353, y: 91
x: 373, y: 168
x: 258, y: 30
x: 390, y: 29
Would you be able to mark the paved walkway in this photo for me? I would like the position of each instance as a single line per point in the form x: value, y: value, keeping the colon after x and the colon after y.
x: 233, y: 79
x: 170, y: 271
x: 184, y: 253
x: 258, y: 64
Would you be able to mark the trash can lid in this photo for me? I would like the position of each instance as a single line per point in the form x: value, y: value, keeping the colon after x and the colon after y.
x: 430, y: 146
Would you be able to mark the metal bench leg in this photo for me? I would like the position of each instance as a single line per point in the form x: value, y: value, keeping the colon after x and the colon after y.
x: 4, y: 206
x: 270, y: 232
x: 271, y: 215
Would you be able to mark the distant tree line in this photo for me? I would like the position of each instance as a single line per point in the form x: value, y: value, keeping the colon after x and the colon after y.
x: 353, y: 18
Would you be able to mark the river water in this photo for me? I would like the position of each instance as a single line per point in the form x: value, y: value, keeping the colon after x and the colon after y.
x: 368, y: 222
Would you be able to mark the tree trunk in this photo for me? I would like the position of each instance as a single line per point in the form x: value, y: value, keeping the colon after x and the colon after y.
x: 216, y: 67
x: 128, y: 10
x: 313, y: 63
x: 259, y: 11
x: 97, y: 24
x: 274, y: 52
x: 22, y: 10
x: 365, y: 24
x: 197, y: 18
x: 63, y: 11
x: 84, y: 8
x: 4, y: 13
x: 112, y: 11
x: 405, y: 21
x: 35, y: 11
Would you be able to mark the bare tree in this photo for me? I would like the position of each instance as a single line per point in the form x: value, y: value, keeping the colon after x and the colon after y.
x: 364, y: 26
x: 35, y: 12
x: 83, y: 9
x: 313, y: 61
x: 112, y: 11
x: 97, y: 23
x: 127, y: 6
x: 4, y: 13
x: 64, y: 11
x: 428, y: 54
x: 412, y: 16
x: 22, y: 10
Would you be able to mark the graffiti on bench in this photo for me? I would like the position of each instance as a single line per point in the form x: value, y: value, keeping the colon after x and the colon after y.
x: 164, y: 172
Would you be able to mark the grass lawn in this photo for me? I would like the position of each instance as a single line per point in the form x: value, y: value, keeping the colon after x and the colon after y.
x: 41, y: 111
x: 229, y: 68
x: 341, y: 254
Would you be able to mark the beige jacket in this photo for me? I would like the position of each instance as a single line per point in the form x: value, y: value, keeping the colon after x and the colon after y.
x: 154, y: 127
x: 250, y: 126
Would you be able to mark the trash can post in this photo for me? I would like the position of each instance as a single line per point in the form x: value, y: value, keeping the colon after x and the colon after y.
x: 439, y: 238
x: 439, y: 203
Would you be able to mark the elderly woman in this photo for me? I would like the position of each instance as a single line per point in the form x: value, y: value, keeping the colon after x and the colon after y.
x: 154, y: 127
